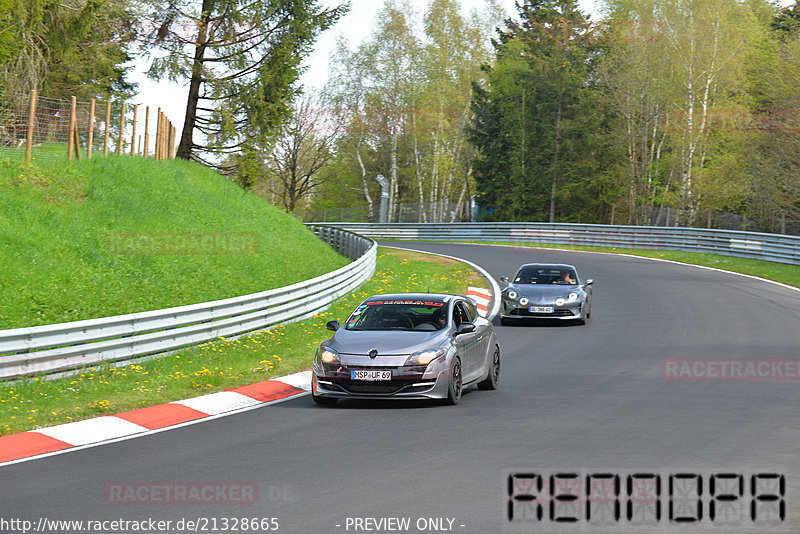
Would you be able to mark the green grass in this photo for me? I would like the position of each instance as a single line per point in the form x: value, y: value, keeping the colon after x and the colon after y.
x: 779, y: 272
x: 104, y: 237
x: 220, y: 365
x: 46, y: 152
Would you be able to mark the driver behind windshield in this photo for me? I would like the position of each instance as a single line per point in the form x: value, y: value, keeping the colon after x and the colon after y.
x: 566, y: 277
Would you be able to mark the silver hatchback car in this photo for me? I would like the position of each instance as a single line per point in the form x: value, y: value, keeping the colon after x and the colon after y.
x: 407, y: 346
x: 546, y: 291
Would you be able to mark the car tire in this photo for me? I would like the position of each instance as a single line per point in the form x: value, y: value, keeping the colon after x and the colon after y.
x: 455, y: 385
x: 324, y: 401
x: 586, y: 314
x: 494, y: 373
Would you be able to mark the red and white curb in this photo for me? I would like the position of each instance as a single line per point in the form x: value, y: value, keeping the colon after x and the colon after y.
x: 44, y: 441
x: 482, y: 297
x: 484, y: 293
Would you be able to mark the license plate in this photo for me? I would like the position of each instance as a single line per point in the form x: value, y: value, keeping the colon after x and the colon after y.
x: 370, y: 375
x: 541, y: 309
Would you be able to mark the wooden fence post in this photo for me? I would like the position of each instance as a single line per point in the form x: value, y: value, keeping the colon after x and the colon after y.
x: 146, y: 130
x: 133, y: 135
x: 108, y: 124
x: 91, y: 129
x: 162, y: 146
x: 171, y: 142
x: 72, y: 123
x: 121, y: 129
x: 157, y: 145
x: 31, y: 124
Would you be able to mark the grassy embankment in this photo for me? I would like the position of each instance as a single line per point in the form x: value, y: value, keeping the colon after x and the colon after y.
x: 68, y: 253
x: 121, y: 235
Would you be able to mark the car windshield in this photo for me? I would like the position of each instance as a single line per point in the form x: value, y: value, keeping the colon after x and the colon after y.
x: 414, y: 315
x: 546, y: 275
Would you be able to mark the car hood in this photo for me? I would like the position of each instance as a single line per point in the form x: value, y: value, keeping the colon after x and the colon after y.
x: 385, y: 342
x: 543, y: 292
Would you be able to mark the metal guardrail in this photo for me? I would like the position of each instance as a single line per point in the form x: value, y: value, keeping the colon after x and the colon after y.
x: 771, y: 247
x: 59, y: 347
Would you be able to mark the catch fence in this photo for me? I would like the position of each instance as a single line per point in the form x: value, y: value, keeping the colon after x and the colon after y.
x: 39, y: 128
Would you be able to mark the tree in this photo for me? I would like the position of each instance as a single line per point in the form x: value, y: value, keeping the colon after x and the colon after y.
x: 293, y: 165
x: 64, y: 48
x: 707, y: 43
x: 772, y: 155
x: 346, y: 92
x: 786, y: 24
x: 631, y: 75
x: 532, y: 120
x: 241, y: 63
x: 404, y: 95
x: 392, y: 55
x: 455, y: 49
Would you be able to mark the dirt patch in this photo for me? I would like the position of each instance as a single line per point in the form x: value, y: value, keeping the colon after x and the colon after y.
x: 474, y: 278
x: 419, y: 256
x: 64, y: 188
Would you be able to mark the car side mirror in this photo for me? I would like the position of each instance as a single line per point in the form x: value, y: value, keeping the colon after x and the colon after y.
x: 588, y: 282
x: 504, y: 279
x: 465, y: 328
x: 332, y: 325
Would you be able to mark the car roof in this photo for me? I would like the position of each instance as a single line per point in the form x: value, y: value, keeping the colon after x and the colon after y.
x: 415, y: 296
x: 548, y: 265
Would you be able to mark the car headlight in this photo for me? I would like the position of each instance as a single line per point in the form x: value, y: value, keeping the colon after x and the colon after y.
x: 573, y: 296
x: 559, y: 301
x: 512, y: 295
x: 523, y: 301
x: 424, y: 357
x: 329, y: 356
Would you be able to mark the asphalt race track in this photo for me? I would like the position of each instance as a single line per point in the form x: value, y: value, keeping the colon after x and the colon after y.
x: 573, y: 399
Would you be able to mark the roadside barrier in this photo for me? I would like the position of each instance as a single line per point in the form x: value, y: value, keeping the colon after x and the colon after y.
x: 772, y: 247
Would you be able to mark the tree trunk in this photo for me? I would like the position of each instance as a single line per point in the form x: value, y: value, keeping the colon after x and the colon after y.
x: 555, y: 164
x: 393, y: 181
x: 186, y: 144
x: 422, y: 216
x: 364, y: 182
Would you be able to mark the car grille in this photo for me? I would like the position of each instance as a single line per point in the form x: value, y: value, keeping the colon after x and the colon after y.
x: 357, y: 386
x: 558, y: 312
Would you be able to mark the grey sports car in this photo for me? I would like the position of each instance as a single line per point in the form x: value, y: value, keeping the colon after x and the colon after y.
x: 407, y: 346
x: 546, y: 291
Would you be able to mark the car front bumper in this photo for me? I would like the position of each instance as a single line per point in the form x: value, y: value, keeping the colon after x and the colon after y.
x: 569, y: 311
x: 340, y: 386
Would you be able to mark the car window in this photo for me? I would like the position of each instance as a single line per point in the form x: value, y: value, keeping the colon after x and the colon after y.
x: 457, y: 319
x: 472, y: 312
x: 398, y: 315
x: 546, y: 275
x: 459, y: 314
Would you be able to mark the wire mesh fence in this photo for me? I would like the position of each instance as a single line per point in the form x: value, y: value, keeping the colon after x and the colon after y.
x: 38, y: 128
x: 407, y: 212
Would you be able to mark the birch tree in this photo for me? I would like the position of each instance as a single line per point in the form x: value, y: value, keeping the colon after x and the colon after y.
x: 707, y: 43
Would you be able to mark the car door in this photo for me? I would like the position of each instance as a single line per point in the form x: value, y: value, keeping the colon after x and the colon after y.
x: 461, y: 342
x: 484, y: 338
x: 470, y: 358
